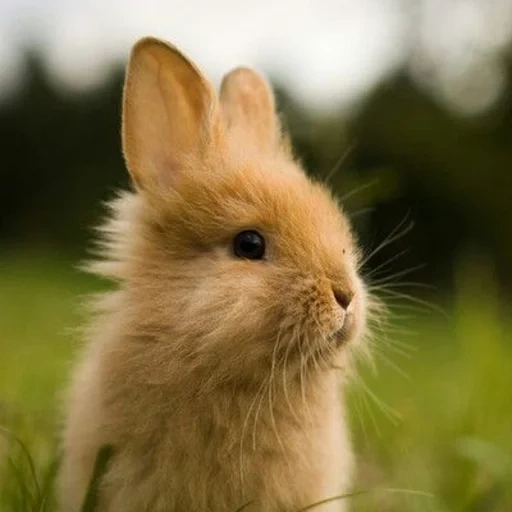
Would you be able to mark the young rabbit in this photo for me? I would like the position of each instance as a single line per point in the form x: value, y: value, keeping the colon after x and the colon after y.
x: 215, y: 369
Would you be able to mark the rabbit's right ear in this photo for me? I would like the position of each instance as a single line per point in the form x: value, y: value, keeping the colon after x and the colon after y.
x: 248, y: 106
x: 170, y: 113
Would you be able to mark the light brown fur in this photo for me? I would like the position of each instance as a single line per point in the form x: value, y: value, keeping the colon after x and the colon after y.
x: 217, y: 380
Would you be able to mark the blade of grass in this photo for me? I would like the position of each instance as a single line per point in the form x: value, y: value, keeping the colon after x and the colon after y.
x: 366, y: 491
x: 9, y: 434
x: 21, y: 493
x: 48, y: 483
x: 100, y: 467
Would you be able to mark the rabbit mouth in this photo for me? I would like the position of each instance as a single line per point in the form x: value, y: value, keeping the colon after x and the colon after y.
x: 343, y: 335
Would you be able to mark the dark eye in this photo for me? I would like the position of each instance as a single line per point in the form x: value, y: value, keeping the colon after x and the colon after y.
x: 250, y: 245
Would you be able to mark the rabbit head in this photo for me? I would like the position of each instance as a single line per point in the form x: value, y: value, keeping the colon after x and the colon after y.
x: 228, y: 254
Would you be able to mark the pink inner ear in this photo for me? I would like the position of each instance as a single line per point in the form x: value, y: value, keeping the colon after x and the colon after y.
x: 248, y: 101
x: 166, y: 168
x: 166, y: 108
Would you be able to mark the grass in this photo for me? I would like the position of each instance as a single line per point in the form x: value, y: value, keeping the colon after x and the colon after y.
x: 433, y: 431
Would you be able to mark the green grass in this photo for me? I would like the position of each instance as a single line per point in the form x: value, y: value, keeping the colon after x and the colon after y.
x: 39, y: 314
x: 444, y: 432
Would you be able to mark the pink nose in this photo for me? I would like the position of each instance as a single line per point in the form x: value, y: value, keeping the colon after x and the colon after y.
x: 343, y: 298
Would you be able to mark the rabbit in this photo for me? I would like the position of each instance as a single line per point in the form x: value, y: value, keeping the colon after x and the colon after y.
x: 215, y: 369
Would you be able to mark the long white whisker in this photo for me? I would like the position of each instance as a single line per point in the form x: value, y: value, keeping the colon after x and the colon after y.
x: 302, y: 376
x: 284, y: 379
x: 361, y: 211
x: 379, y: 352
x: 367, y: 406
x: 271, y: 390
x: 242, y: 435
x: 396, y: 275
x: 360, y: 416
x: 256, y: 414
x: 392, y: 415
x: 339, y: 163
x: 411, y: 298
x: 379, y: 268
x: 378, y: 284
x: 398, y: 232
x: 359, y: 189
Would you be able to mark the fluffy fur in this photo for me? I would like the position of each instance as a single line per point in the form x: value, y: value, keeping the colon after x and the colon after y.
x: 216, y: 379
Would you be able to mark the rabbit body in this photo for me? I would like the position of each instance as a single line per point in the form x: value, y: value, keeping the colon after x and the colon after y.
x: 187, y: 449
x: 215, y: 378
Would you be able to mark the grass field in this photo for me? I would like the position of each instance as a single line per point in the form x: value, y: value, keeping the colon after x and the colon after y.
x: 432, y: 425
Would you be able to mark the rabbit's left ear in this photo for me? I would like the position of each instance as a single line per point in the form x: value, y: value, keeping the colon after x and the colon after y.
x: 170, y: 114
x: 248, y: 107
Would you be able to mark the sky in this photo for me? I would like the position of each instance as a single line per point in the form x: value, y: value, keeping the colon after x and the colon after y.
x: 328, y: 52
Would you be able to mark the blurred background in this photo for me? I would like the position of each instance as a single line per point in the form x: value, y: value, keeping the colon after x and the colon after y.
x: 404, y: 106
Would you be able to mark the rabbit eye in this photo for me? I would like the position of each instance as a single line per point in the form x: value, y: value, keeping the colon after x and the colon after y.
x: 250, y: 245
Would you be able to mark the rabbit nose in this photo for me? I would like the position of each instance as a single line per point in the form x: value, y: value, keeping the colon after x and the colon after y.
x: 343, y: 298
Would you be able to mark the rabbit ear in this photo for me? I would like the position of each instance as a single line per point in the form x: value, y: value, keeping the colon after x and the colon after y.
x: 248, y: 106
x: 170, y: 113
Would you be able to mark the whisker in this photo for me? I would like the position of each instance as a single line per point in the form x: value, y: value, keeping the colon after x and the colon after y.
x: 400, y: 305
x: 311, y: 355
x: 401, y: 295
x: 242, y: 435
x: 391, y: 414
x: 367, y: 405
x: 379, y: 352
x: 386, y: 340
x: 391, y: 328
x: 256, y: 414
x: 360, y: 212
x: 401, y: 284
x: 359, y: 189
x: 405, y: 352
x: 325, y: 347
x: 399, y: 351
x: 386, y: 263
x: 386, y: 330
x: 284, y: 379
x: 360, y: 416
x: 302, y: 377
x: 401, y: 273
x: 398, y: 232
x: 271, y: 388
x: 339, y: 163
